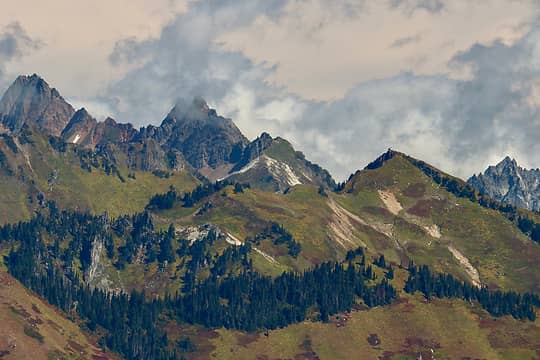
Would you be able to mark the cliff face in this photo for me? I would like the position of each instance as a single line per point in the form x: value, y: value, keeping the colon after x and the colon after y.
x: 206, y: 139
x: 30, y: 100
x: 510, y: 183
x: 192, y: 135
x: 79, y: 128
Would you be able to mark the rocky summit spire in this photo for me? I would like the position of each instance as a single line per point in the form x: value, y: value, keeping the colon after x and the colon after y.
x: 30, y: 100
x: 196, y: 110
x: 206, y: 139
x: 507, y: 163
x: 508, y: 182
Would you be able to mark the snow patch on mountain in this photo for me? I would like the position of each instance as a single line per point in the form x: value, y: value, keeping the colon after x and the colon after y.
x: 245, y: 169
x: 281, y: 170
x: 278, y: 169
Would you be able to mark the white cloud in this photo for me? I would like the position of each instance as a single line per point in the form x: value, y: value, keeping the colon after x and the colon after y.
x: 15, y: 43
x: 461, y: 91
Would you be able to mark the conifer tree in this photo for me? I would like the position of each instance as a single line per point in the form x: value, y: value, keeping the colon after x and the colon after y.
x: 166, y: 252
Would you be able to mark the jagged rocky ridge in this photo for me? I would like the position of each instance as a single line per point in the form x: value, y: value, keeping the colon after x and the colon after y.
x: 509, y: 183
x: 30, y: 100
x: 192, y: 137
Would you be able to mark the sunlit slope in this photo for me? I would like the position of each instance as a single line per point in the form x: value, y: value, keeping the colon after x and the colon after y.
x: 279, y: 166
x: 431, y: 226
x: 32, y: 329
x: 31, y: 168
x: 303, y: 212
x: 395, y: 210
x: 440, y: 329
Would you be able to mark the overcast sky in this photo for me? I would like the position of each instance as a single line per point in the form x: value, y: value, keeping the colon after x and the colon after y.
x: 453, y: 82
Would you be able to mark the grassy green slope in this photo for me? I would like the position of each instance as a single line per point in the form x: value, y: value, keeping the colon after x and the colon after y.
x: 423, y: 223
x: 32, y: 329
x: 502, y: 254
x: 100, y: 192
x: 441, y: 329
x: 303, y: 212
x: 35, y: 167
x: 395, y: 210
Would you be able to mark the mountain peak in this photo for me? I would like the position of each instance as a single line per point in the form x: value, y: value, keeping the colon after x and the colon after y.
x: 507, y: 166
x: 81, y: 112
x: 25, y: 79
x: 109, y: 121
x: 199, y: 103
x: 508, y: 182
x: 36, y: 82
x: 196, y: 110
x: 378, y: 162
x: 206, y: 139
x: 30, y: 100
x: 507, y: 162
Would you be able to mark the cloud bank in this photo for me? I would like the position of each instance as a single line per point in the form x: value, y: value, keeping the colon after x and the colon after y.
x: 14, y: 44
x: 343, y: 80
x: 410, y: 6
x: 460, y: 125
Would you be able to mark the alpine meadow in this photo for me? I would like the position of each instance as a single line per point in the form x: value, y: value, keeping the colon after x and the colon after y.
x: 160, y: 208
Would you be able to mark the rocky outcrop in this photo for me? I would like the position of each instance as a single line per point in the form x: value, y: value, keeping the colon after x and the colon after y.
x: 80, y: 128
x: 273, y: 164
x: 30, y: 100
x: 109, y: 131
x: 253, y: 150
x: 97, y: 275
x: 206, y: 139
x: 84, y: 130
x: 510, y: 183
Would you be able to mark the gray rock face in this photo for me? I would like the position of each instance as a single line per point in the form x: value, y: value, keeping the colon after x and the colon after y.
x: 206, y: 139
x: 30, y: 100
x: 510, y: 183
x: 84, y: 130
x: 109, y: 131
x: 253, y: 150
x: 273, y: 164
x: 79, y: 128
